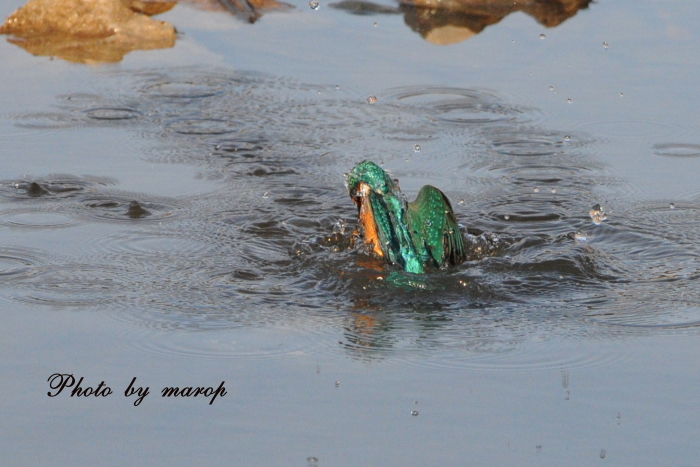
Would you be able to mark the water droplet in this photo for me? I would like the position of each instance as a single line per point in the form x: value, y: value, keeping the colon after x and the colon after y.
x: 338, y: 227
x: 414, y: 413
x: 337, y: 383
x: 319, y: 92
x: 622, y: 95
x: 512, y: 41
x: 605, y: 45
x: 375, y: 24
x: 337, y: 86
x: 266, y: 195
x: 554, y: 190
x: 672, y: 206
x: 551, y: 88
x: 461, y: 202
x: 371, y: 99
x: 506, y: 217
x: 542, y: 36
x: 536, y: 190
x: 416, y: 147
x: 567, y: 138
x: 569, y: 101
x: 429, y: 223
x: 597, y: 214
x: 580, y: 236
x: 602, y: 453
x: 313, y: 4
x: 538, y: 448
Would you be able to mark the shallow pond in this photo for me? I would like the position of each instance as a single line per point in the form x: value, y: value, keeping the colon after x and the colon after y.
x: 181, y: 217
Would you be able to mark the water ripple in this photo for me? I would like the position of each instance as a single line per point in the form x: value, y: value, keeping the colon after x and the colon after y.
x: 264, y: 267
x: 184, y: 90
x: 679, y: 150
x: 18, y: 264
x: 149, y: 244
x: 52, y: 187
x: 45, y: 120
x: 456, y: 105
x: 112, y: 113
x: 123, y: 208
x: 204, y: 126
x: 36, y: 219
x: 634, y: 129
x: 259, y: 343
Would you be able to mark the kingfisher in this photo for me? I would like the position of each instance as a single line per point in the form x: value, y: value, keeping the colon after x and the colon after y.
x: 415, y: 236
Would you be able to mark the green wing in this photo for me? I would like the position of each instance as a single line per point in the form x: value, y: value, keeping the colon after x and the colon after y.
x: 433, y: 228
x: 385, y: 231
x: 392, y: 233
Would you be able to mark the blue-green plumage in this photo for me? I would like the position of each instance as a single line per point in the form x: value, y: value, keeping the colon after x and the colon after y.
x: 414, y: 235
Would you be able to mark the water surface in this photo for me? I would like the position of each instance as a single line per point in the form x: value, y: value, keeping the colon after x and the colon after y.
x: 181, y: 217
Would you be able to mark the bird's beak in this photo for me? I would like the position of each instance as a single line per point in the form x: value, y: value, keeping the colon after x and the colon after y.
x: 366, y: 216
x: 359, y: 194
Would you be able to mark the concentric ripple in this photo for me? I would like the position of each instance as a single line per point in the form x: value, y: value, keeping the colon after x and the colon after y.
x: 679, y: 150
x: 204, y: 126
x: 633, y: 129
x: 45, y: 120
x: 51, y: 187
x: 112, y: 113
x: 19, y: 263
x: 150, y: 244
x: 116, y: 208
x: 456, y: 105
x: 70, y: 284
x: 256, y: 343
x: 36, y: 219
x: 666, y: 314
x: 518, y: 356
x: 184, y: 90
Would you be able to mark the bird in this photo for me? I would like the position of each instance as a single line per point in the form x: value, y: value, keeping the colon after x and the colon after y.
x: 416, y: 236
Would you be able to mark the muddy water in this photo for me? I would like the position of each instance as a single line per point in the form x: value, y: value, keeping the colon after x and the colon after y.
x: 189, y: 224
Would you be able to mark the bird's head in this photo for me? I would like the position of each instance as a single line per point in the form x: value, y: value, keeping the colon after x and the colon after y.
x: 368, y: 177
x: 380, y: 209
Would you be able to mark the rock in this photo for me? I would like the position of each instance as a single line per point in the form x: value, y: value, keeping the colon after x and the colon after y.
x: 151, y: 7
x: 448, y: 21
x: 88, y: 31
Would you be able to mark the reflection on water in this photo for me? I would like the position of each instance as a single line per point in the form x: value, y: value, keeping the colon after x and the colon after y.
x: 272, y: 246
x: 247, y: 10
x: 89, y: 31
x: 99, y: 31
x: 448, y: 21
x: 103, y: 31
